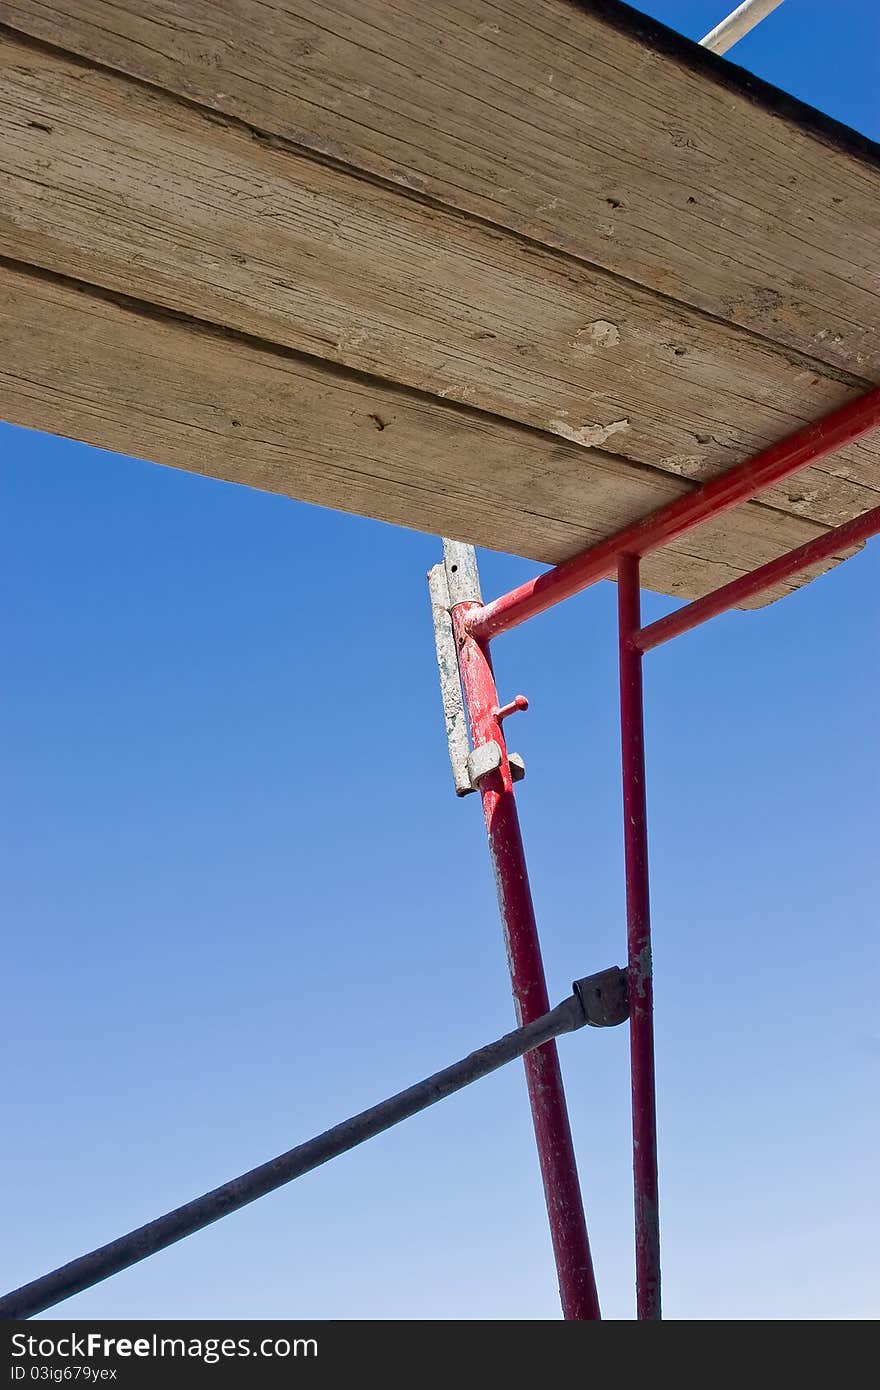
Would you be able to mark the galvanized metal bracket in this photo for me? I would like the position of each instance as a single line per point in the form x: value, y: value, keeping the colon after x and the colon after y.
x: 483, y: 760
x: 462, y: 575
x: 604, y: 997
x: 450, y: 684
x: 469, y: 767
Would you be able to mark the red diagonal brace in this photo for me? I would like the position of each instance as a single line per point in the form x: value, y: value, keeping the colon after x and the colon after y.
x: 738, y: 485
x: 568, y: 1229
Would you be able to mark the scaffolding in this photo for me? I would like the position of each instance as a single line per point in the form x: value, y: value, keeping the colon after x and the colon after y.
x: 464, y: 627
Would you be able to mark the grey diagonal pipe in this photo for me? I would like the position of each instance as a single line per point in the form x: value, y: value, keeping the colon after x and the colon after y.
x: 599, y: 1000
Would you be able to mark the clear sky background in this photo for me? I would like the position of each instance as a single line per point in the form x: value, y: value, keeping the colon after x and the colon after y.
x: 243, y: 902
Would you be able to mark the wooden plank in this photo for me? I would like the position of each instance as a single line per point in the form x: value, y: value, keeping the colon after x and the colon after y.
x: 586, y: 127
x: 125, y: 188
x: 76, y: 363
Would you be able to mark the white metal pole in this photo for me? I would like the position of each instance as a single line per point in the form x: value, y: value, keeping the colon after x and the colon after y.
x: 738, y: 24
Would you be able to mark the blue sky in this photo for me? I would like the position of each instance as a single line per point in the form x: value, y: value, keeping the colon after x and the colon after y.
x: 226, y: 797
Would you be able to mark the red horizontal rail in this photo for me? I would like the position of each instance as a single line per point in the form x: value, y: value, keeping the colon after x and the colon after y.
x: 729, y: 595
x: 739, y: 484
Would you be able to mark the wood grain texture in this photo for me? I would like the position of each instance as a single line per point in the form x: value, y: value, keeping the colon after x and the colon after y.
x: 128, y: 189
x: 563, y: 122
x: 75, y: 363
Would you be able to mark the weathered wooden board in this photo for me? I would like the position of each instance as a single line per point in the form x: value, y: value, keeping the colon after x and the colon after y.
x: 75, y: 363
x: 127, y: 189
x: 584, y: 126
x: 505, y: 224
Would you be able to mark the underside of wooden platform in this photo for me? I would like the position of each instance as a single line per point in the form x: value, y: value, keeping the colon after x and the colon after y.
x: 517, y: 271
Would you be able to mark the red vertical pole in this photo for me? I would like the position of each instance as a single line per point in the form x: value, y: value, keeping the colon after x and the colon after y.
x: 568, y: 1229
x: 638, y: 930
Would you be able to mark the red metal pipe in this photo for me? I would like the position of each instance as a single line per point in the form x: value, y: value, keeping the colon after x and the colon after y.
x: 738, y: 590
x: 676, y: 518
x: 568, y: 1229
x: 638, y: 935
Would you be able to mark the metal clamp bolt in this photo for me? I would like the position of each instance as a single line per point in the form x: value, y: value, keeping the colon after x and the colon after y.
x: 488, y: 758
x: 604, y: 997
